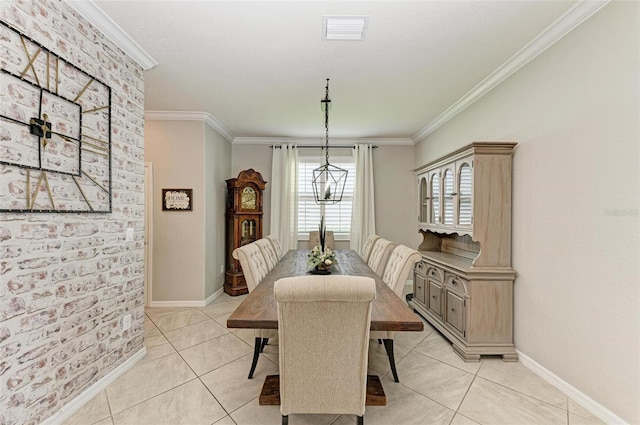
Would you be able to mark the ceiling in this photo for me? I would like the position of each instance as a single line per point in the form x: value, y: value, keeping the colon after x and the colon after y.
x: 259, y: 67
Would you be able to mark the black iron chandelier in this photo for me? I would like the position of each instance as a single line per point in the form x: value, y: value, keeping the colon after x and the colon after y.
x: 328, y: 180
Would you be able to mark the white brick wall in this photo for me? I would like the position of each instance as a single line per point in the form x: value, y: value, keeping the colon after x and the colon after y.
x: 67, y: 280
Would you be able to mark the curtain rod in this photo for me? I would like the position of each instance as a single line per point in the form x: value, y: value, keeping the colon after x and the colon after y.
x: 321, y: 147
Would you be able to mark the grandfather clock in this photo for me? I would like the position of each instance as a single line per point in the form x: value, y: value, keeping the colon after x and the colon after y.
x: 244, y: 223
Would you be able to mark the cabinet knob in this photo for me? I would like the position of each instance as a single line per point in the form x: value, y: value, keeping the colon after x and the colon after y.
x: 453, y: 282
x: 453, y: 309
x: 433, y: 296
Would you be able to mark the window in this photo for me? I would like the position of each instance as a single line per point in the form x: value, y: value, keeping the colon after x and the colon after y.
x: 337, y: 216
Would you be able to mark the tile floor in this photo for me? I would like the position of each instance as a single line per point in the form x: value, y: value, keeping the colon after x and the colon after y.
x: 195, y: 373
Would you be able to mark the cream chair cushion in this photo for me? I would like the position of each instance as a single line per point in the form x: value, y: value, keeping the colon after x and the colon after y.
x: 254, y: 266
x: 368, y: 246
x: 314, y: 239
x: 323, y: 326
x: 276, y: 245
x: 269, y: 253
x: 379, y: 254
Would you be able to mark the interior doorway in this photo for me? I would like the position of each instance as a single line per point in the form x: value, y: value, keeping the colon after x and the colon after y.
x: 148, y: 233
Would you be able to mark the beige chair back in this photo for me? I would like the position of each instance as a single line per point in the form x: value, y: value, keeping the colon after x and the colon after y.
x: 314, y: 239
x: 397, y: 270
x: 269, y: 253
x: 368, y: 246
x: 323, y: 327
x: 379, y: 255
x: 276, y: 245
x: 254, y: 267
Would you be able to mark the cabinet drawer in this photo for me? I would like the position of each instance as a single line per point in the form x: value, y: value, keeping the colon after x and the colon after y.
x: 435, y: 298
x: 421, y: 268
x: 435, y: 273
x: 456, y: 283
x: 455, y: 312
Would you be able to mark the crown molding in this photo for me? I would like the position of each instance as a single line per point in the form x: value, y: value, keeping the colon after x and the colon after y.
x: 97, y: 17
x: 554, y: 32
x: 190, y: 116
x: 302, y: 141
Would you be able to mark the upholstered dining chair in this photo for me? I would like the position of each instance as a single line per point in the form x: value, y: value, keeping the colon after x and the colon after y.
x: 395, y: 276
x: 323, y: 325
x: 277, y: 246
x: 379, y: 255
x: 269, y: 253
x: 368, y: 246
x: 314, y: 239
x: 254, y: 268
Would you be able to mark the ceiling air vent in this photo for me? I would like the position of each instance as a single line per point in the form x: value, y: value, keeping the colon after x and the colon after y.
x: 344, y: 27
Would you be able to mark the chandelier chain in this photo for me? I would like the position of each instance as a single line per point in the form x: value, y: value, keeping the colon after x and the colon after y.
x: 326, y: 123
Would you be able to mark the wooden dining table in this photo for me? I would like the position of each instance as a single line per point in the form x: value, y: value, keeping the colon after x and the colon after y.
x: 259, y: 310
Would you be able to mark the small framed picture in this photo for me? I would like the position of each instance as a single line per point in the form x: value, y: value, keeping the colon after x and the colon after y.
x: 177, y: 199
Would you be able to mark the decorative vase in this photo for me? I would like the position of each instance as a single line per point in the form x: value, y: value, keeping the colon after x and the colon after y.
x: 321, y: 269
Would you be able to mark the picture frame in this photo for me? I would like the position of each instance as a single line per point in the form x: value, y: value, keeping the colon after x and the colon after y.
x: 177, y: 199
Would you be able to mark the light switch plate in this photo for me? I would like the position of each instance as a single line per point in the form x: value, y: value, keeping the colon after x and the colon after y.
x: 129, y: 234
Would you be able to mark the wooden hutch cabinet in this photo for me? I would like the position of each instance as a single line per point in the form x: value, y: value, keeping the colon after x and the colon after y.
x: 244, y: 224
x: 464, y: 283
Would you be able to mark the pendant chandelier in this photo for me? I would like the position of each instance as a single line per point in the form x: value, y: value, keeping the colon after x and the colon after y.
x: 328, y: 180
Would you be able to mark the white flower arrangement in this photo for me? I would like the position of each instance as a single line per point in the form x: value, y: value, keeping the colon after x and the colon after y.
x: 321, y: 259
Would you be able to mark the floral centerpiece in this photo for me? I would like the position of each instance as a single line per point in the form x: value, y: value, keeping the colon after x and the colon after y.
x: 321, y: 261
x: 321, y: 258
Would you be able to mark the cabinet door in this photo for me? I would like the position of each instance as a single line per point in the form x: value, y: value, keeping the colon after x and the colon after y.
x: 454, y: 315
x: 424, y: 199
x: 464, y: 190
x: 435, y: 297
x: 434, y: 197
x: 448, y: 195
x: 419, y: 287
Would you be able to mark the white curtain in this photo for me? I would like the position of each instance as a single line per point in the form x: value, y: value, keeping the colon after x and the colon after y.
x: 363, y: 219
x: 284, y: 196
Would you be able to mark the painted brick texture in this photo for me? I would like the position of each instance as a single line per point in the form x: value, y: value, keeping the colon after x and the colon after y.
x: 67, y: 280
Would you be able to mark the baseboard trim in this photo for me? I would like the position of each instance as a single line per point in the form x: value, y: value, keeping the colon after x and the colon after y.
x: 576, y: 395
x: 202, y: 303
x: 74, y: 405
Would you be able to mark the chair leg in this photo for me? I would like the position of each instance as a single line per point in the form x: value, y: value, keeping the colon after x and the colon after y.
x: 379, y: 341
x: 388, y: 346
x: 264, y: 342
x: 361, y: 420
x: 256, y: 353
x: 285, y: 420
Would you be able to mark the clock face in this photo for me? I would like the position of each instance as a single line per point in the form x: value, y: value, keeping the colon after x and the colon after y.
x: 55, y: 132
x: 248, y: 198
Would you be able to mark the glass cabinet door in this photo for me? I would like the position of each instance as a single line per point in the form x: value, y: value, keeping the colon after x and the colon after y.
x: 465, y: 183
x: 424, y: 200
x: 434, y: 186
x: 448, y: 196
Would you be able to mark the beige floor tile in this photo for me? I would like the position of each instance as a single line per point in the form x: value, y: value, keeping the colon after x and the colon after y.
x: 439, y: 348
x: 229, y: 383
x: 209, y: 355
x: 577, y: 410
x: 225, y: 421
x: 458, y: 419
x: 222, y: 321
x: 107, y: 421
x: 191, y: 335
x: 490, y: 403
x: 219, y: 309
x: 188, y: 404
x: 157, y: 346
x: 180, y: 319
x: 347, y: 420
x: 156, y: 312
x: 434, y: 379
x: 224, y: 297
x: 95, y: 410
x: 254, y: 414
x: 150, y: 329
x: 247, y: 335
x: 579, y: 420
x: 518, y: 377
x: 406, y: 407
x: 146, y: 380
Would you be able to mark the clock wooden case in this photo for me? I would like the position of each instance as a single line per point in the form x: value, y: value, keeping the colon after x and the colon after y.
x: 244, y: 223
x: 55, y: 132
